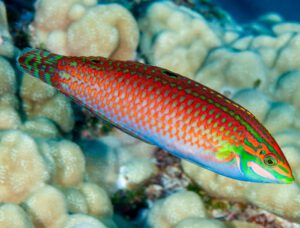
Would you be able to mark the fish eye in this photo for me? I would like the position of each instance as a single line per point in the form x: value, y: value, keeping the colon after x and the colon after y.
x: 270, y: 160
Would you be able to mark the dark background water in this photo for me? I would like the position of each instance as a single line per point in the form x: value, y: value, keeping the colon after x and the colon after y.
x: 247, y: 10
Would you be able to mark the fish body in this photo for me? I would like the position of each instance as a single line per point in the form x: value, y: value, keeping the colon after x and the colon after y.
x: 166, y: 109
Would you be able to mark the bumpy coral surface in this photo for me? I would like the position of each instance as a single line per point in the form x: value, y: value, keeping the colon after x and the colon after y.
x: 22, y: 168
x: 81, y: 27
x: 41, y: 100
x: 182, y: 38
x: 177, y: 207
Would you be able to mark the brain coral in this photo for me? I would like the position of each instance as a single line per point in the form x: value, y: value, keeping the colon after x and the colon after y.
x: 81, y: 27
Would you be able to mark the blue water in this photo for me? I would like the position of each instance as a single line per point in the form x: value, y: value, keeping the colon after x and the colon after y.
x: 247, y: 10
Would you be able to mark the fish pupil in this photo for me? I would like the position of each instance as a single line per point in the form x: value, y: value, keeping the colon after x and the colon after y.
x: 270, y: 160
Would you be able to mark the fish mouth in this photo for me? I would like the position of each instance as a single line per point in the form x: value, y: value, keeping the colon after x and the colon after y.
x: 287, y: 180
x: 257, y: 169
x: 268, y: 177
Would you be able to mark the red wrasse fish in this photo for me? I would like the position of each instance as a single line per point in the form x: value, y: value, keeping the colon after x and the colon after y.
x: 166, y: 109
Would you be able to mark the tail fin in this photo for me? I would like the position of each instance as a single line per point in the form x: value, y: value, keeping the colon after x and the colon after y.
x: 39, y: 63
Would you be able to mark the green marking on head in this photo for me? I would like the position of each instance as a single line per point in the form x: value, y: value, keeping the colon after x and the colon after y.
x: 283, y: 168
x: 47, y: 78
x: 225, y: 151
x: 38, y: 63
x: 73, y: 64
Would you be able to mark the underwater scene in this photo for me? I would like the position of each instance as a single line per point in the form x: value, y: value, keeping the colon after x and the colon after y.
x: 151, y: 114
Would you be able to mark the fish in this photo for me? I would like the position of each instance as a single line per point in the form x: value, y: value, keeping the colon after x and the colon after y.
x: 163, y: 108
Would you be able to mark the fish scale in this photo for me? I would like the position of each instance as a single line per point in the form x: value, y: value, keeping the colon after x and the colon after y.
x: 161, y: 107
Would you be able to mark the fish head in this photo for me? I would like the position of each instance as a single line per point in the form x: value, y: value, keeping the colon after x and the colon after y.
x: 263, y: 162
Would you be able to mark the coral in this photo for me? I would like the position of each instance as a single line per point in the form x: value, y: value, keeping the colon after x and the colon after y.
x: 287, y: 88
x: 182, y: 38
x: 80, y: 27
x: 255, y: 101
x: 237, y: 224
x: 69, y: 163
x: 119, y: 33
x: 276, y: 116
x: 28, y: 165
x: 83, y: 221
x: 135, y: 172
x: 9, y: 118
x: 75, y: 200
x: 220, y: 57
x: 288, y: 57
x: 119, y: 157
x: 8, y: 83
x: 97, y: 200
x: 12, y: 215
x: 170, y: 211
x: 22, y: 168
x: 41, y: 100
x: 228, y: 69
x: 7, y: 48
x: 40, y: 128
x: 47, y: 207
x: 199, y: 222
